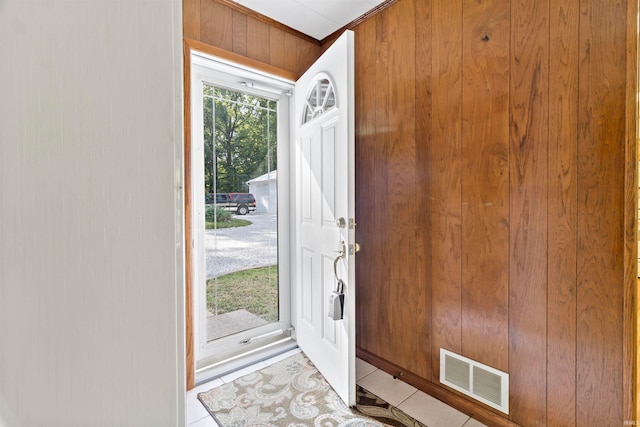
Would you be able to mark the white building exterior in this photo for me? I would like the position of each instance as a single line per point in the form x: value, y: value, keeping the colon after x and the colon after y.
x: 263, y: 189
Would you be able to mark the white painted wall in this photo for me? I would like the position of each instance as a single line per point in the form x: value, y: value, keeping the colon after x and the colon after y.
x: 91, y: 288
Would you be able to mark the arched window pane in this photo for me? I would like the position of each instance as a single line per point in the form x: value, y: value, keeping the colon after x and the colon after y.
x: 321, y: 99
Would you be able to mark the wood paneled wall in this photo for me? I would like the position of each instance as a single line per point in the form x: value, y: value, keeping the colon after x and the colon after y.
x: 495, y: 174
x: 496, y: 199
x: 248, y: 34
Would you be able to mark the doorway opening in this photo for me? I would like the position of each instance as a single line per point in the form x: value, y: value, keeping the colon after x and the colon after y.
x: 239, y: 215
x: 319, y: 153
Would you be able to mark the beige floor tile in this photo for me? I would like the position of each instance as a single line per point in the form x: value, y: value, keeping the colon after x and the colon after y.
x: 363, y: 369
x: 432, y: 412
x: 196, y: 410
x: 385, y: 387
x: 205, y: 422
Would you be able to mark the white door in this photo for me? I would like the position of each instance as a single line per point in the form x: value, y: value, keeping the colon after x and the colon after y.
x: 324, y: 194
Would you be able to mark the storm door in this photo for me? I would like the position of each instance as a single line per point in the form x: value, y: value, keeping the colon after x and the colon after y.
x: 239, y: 164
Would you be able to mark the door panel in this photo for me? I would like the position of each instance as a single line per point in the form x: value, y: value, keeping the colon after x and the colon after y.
x: 324, y: 192
x: 306, y: 276
x: 328, y: 173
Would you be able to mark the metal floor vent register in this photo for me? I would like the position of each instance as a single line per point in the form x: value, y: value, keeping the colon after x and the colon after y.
x: 481, y: 382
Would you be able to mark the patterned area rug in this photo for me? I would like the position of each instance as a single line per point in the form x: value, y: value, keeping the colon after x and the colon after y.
x: 372, y: 406
x: 293, y: 393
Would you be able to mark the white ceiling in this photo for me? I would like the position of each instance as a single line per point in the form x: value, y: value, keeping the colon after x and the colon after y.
x: 316, y: 18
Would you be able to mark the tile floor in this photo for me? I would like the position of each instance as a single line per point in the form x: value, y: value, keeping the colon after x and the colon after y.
x: 419, y: 405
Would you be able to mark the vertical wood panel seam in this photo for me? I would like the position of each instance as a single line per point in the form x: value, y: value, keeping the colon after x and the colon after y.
x: 546, y: 317
x: 509, y: 201
x: 629, y: 303
x: 460, y: 159
x: 548, y: 121
x: 577, y: 214
x: 635, y: 403
x: 577, y: 226
x: 430, y: 159
x: 434, y: 375
x: 549, y: 181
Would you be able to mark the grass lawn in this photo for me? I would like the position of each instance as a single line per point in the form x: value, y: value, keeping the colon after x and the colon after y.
x: 255, y: 290
x: 233, y: 222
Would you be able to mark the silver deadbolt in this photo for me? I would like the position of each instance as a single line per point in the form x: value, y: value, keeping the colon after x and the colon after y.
x: 341, y: 222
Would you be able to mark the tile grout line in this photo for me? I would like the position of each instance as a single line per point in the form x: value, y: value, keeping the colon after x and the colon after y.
x: 201, y: 418
x: 408, y: 397
x: 366, y: 376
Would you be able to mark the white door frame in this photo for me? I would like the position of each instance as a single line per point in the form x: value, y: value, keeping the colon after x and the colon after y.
x: 220, y: 72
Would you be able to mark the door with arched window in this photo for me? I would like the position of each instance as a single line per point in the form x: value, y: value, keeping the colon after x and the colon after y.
x: 325, y: 216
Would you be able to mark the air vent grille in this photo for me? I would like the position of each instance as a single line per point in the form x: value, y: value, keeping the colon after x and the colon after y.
x: 481, y: 382
x: 457, y: 372
x: 487, y: 384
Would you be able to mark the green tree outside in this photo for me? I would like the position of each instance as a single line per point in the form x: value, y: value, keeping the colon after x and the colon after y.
x: 245, y: 139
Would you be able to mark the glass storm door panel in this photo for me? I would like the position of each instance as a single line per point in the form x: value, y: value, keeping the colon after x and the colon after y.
x: 241, y: 297
x: 240, y: 205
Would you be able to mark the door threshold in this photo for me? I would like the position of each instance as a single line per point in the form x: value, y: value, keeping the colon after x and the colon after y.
x: 212, y: 369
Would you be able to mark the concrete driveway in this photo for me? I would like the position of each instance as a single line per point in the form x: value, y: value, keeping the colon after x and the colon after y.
x: 240, y: 248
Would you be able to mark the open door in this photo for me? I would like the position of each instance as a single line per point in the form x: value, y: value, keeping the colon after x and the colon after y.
x: 324, y: 219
